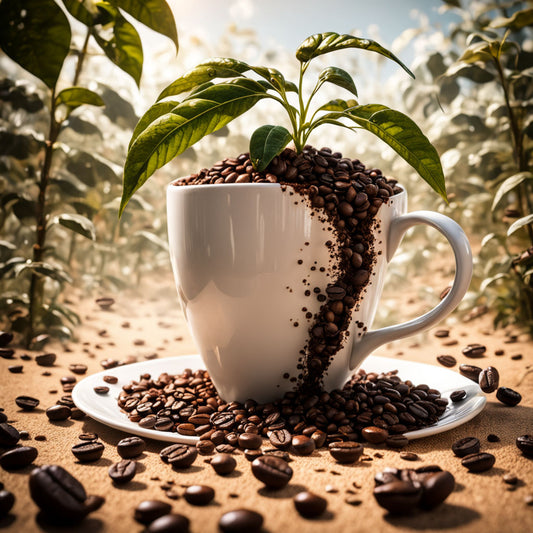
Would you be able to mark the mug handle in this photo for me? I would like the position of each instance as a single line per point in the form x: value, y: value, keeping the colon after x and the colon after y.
x: 463, y: 274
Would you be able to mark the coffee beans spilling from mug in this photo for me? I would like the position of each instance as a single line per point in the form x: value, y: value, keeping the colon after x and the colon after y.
x: 346, y: 196
x: 370, y: 407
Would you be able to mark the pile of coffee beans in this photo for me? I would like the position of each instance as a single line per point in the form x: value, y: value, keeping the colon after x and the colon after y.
x: 377, y: 408
x: 402, y: 491
x: 346, y: 196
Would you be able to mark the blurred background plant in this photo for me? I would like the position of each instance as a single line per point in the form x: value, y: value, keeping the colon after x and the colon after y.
x: 60, y: 170
x: 458, y: 99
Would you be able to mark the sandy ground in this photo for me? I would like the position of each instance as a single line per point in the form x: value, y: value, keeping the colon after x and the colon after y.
x: 138, y: 328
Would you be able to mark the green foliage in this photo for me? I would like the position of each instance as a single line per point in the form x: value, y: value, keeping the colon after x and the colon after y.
x: 484, y: 136
x: 172, y: 125
x: 56, y: 190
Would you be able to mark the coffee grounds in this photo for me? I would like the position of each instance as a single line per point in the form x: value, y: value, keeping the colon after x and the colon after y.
x: 346, y: 196
x: 368, y: 400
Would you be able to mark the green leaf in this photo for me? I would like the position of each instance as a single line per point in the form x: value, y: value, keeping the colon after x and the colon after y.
x: 472, y: 72
x: 323, y: 43
x: 77, y: 223
x: 275, y: 78
x: 405, y: 138
x: 83, y: 10
x: 338, y: 77
x: 204, y: 72
x: 508, y: 185
x: 452, y: 3
x: 125, y: 47
x: 36, y: 35
x: 156, y: 14
x: 338, y: 105
x: 516, y: 22
x: 266, y: 143
x: 171, y: 134
x: 44, y: 269
x: 489, y: 281
x: 157, y: 110
x: 520, y: 223
x: 74, y: 97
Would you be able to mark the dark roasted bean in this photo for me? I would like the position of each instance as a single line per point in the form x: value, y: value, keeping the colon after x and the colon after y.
x: 149, y: 510
x: 346, y: 452
x: 489, y: 379
x: 199, y: 494
x: 398, y: 497
x: 508, y: 396
x: 302, y: 445
x: 123, y: 471
x: 47, y: 359
x: 223, y: 464
x: 250, y: 441
x: 397, y: 441
x: 26, y: 403
x: 87, y: 452
x: 131, y: 447
x: 437, y: 487
x: 470, y: 371
x: 7, y: 500
x: 525, y: 444
x: 169, y: 523
x: 9, y: 436
x: 58, y: 413
x: 479, y: 462
x: 274, y: 472
x: 458, y: 395
x: 179, y: 455
x: 447, y: 360
x: 240, y: 521
x: 474, y: 350
x: 18, y: 457
x: 310, y: 505
x: 374, y: 435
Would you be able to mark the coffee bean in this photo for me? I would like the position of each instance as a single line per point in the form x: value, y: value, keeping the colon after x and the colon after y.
x: 88, y: 452
x: 251, y: 455
x: 105, y: 303
x: 493, y: 438
x: 60, y: 496
x: 9, y: 436
x: 223, y: 464
x: 7, y: 353
x: 346, y: 452
x: 18, y: 457
x: 240, y: 521
x: 470, y: 371
x: 170, y: 523
x: 47, y: 359
x: 179, y: 455
x: 58, y: 412
x: 510, y: 479
x: 225, y: 448
x: 281, y: 438
x: 310, y: 505
x: 101, y: 389
x: 319, y: 437
x: 163, y: 423
x: 5, y: 338
x: 398, y: 497
x: 447, y: 360
x: 7, y: 500
x: 199, y: 494
x: 525, y: 444
x: 508, y: 396
x: 436, y: 488
x: 78, y: 368
x: 302, y: 445
x: 274, y: 472
x: 458, y: 395
x: 441, y: 333
x: 149, y: 510
x: 409, y: 456
x: 489, y: 379
x: 374, y: 435
x: 479, y: 462
x: 26, y: 403
x: 223, y: 420
x: 88, y: 436
x: 466, y: 446
x: 123, y: 471
x: 205, y: 447
x: 474, y: 350
x: 3, y: 417
x: 397, y: 441
x: 250, y: 441
x: 15, y: 369
x: 131, y: 447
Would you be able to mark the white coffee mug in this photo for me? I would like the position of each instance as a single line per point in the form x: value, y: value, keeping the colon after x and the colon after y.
x: 242, y: 257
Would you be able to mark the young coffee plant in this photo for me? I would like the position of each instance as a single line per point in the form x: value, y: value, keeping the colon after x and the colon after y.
x: 193, y: 106
x: 484, y: 128
x: 46, y: 182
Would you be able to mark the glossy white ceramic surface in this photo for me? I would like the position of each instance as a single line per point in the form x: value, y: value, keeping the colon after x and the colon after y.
x: 104, y: 408
x: 242, y: 257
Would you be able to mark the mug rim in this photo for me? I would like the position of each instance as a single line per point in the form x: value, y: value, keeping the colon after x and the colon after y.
x: 171, y: 186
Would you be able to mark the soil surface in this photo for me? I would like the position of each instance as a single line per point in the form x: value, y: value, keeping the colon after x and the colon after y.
x: 135, y: 328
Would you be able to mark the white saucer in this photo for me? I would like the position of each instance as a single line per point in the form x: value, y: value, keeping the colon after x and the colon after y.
x: 104, y: 408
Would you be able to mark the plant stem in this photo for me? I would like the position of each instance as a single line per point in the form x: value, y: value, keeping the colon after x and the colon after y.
x: 81, y: 58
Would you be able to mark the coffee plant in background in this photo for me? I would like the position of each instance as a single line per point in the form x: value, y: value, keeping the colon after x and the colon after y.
x: 475, y: 96
x: 193, y: 106
x: 47, y: 184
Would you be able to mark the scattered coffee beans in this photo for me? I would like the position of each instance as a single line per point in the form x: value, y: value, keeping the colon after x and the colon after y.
x: 274, y: 472
x: 60, y: 496
x: 78, y: 368
x: 447, y: 360
x: 375, y: 435
x: 18, y: 457
x: 88, y: 452
x: 409, y: 456
x: 102, y: 389
x: 131, y: 447
x: 169, y: 523
x: 149, y: 510
x: 310, y: 505
x: 250, y: 441
x: 489, y: 379
x: 397, y: 441
x: 466, y: 446
x: 7, y: 353
x: 470, y: 371
x: 5, y: 338
x: 179, y: 455
x: 241, y: 521
x: 123, y: 471
x: 346, y: 452
x: 9, y: 436
x: 223, y: 464
x: 457, y: 395
x: 199, y: 494
x: 15, y: 369
x: 474, y: 350
x: 7, y: 500
x: 525, y: 444
x: 479, y: 462
x: 47, y: 359
x: 508, y: 396
x: 26, y: 403
x: 302, y: 445
x: 205, y: 447
x: 58, y: 413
